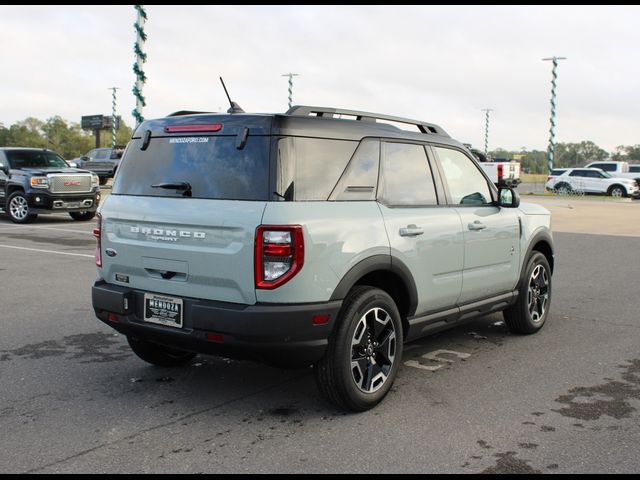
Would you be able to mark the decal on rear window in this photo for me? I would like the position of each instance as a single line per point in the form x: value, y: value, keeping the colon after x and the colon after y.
x: 189, y: 140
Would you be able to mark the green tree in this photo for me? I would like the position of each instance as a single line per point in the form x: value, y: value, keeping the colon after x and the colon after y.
x: 59, y: 135
x: 627, y: 153
x: 578, y: 154
x: 4, y: 134
x: 535, y: 162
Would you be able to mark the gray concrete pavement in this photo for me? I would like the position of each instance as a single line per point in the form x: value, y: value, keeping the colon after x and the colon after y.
x: 474, y: 399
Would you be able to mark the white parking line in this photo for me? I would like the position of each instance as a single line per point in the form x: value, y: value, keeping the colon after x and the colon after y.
x: 45, y: 228
x: 47, y: 251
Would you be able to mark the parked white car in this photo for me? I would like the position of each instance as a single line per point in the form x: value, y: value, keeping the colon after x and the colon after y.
x: 556, y: 172
x: 592, y: 180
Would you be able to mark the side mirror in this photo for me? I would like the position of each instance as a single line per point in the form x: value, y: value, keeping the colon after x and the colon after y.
x: 508, y: 198
x: 84, y: 158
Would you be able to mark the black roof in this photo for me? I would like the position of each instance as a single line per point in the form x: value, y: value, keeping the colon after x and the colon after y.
x: 319, y: 122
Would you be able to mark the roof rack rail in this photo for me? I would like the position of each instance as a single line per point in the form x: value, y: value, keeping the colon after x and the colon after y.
x: 304, y: 110
x: 184, y: 112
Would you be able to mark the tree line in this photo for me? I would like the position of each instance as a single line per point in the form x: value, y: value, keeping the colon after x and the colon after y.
x: 70, y: 141
x: 63, y: 137
x: 568, y: 155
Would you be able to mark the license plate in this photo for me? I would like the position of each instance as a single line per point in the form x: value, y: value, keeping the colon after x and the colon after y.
x: 163, y: 310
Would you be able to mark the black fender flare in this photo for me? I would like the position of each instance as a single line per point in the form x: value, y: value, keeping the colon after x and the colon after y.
x: 378, y: 263
x: 540, y: 236
x: 12, y: 185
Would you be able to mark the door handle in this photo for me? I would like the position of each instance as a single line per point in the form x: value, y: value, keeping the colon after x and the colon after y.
x: 411, y: 231
x: 477, y: 225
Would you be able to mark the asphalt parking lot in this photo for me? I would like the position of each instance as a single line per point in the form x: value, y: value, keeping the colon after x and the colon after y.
x: 475, y: 399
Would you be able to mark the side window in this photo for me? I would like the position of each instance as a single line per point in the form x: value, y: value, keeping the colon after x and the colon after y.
x: 467, y: 185
x: 101, y: 154
x: 360, y: 178
x: 309, y: 168
x: 406, y: 176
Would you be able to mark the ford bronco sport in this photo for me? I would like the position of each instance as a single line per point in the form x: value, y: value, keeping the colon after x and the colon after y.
x: 319, y: 237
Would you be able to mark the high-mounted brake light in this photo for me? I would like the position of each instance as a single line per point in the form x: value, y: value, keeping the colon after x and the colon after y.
x: 97, y: 232
x: 279, y: 254
x: 209, y: 127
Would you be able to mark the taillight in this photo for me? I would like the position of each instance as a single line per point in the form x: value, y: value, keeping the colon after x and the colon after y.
x: 279, y: 254
x: 500, y: 171
x: 97, y: 232
x: 549, y: 178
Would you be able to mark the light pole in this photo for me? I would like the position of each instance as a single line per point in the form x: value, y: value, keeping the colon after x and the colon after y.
x: 113, y: 116
x: 290, y: 75
x: 486, y: 130
x: 552, y: 129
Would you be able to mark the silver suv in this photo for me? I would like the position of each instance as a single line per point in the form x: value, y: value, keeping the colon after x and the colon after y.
x: 317, y: 237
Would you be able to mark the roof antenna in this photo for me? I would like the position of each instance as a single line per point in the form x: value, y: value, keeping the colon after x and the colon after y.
x: 235, y: 108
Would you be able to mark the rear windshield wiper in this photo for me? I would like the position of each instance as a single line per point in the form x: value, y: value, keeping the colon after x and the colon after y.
x: 186, y: 186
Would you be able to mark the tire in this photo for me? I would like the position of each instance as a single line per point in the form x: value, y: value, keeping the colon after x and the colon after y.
x: 158, y: 354
x: 617, y: 191
x: 364, y: 351
x: 562, y: 189
x: 82, y: 216
x: 531, y: 310
x: 18, y: 208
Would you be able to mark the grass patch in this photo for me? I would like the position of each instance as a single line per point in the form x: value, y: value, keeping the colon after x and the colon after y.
x: 534, y: 177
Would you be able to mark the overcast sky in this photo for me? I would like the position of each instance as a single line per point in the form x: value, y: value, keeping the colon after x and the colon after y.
x: 437, y: 64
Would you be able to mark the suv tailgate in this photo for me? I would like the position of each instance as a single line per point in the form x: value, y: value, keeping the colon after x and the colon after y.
x: 197, y: 248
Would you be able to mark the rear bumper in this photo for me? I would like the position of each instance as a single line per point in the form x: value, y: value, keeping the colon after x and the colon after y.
x: 509, y: 182
x: 102, y: 172
x: 281, y: 334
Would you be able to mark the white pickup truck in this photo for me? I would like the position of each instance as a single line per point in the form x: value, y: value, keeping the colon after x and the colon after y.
x: 501, y: 172
x: 616, y: 169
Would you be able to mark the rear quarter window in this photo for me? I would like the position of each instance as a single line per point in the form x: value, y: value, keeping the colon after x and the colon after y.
x: 309, y: 168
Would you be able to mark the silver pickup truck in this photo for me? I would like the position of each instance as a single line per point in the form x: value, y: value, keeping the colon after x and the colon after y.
x: 101, y: 161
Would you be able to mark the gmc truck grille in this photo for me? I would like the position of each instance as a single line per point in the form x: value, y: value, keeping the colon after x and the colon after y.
x: 70, y: 183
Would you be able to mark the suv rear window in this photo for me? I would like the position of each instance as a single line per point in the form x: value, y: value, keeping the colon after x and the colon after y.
x: 213, y: 166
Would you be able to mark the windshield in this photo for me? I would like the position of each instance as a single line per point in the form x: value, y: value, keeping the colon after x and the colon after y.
x: 197, y: 167
x: 34, y: 159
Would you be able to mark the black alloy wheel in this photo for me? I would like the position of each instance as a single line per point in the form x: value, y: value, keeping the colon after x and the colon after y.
x: 364, y: 351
